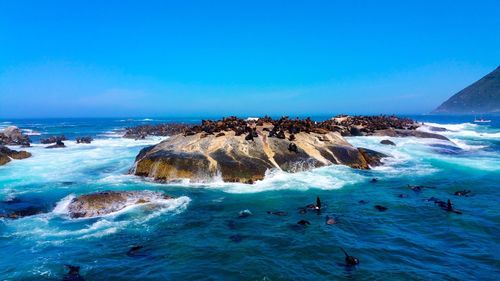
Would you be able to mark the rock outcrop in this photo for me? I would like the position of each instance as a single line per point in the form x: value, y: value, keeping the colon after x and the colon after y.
x: 58, y: 144
x: 6, y: 154
x: 245, y: 157
x: 140, y: 132
x: 13, y: 136
x: 53, y: 139
x: 103, y: 203
x: 86, y: 140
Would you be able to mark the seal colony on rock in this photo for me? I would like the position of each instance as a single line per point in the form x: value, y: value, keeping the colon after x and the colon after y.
x: 243, y: 151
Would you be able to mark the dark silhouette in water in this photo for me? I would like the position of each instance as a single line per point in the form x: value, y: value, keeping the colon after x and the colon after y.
x: 236, y: 238
x: 133, y: 251
x: 350, y: 260
x: 463, y: 193
x: 380, y: 208
x: 303, y: 222
x: 363, y: 202
x: 374, y: 180
x: 449, y: 208
x: 73, y: 273
x: 419, y: 188
x: 277, y: 213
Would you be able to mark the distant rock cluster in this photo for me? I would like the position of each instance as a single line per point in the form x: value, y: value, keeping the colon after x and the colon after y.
x: 53, y: 139
x: 140, y: 132
x: 343, y: 124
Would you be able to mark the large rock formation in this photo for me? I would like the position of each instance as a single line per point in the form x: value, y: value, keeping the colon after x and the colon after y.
x: 238, y: 157
x: 13, y: 136
x: 103, y: 203
x: 7, y: 154
x: 483, y: 96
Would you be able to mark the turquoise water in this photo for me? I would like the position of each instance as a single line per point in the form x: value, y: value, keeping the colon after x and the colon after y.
x: 199, y: 236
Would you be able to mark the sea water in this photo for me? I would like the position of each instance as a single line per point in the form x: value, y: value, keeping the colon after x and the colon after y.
x: 200, y: 236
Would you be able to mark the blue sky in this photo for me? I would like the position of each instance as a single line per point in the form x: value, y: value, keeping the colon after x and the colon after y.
x: 194, y: 58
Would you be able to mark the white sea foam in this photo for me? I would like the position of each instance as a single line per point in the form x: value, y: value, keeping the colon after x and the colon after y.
x: 42, y: 227
x: 463, y: 130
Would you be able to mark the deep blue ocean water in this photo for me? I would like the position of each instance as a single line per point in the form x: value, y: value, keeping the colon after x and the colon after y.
x: 199, y: 236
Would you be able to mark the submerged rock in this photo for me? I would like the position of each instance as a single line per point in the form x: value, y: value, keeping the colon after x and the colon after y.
x: 387, y: 142
x: 17, y: 214
x: 6, y: 154
x: 106, y: 202
x: 237, y: 159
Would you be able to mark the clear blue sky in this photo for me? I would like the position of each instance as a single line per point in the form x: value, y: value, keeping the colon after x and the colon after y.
x: 192, y: 58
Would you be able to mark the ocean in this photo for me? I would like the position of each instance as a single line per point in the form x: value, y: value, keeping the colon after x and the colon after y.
x: 200, y: 235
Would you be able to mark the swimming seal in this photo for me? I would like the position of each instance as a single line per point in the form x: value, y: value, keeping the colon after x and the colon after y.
x: 463, y: 193
x: 73, y: 273
x: 303, y: 222
x: 133, y: 250
x: 418, y: 188
x: 449, y: 208
x: 350, y: 260
x: 277, y: 213
x: 330, y: 220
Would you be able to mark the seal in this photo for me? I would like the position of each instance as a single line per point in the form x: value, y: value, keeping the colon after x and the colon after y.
x: 449, y: 208
x: 303, y: 222
x: 132, y: 252
x: 380, y: 208
x: 419, y: 188
x: 330, y: 220
x: 277, y: 213
x: 350, y: 260
x: 463, y: 193
x: 73, y: 273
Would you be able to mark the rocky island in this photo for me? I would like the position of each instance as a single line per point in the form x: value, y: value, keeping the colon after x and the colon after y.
x: 240, y: 150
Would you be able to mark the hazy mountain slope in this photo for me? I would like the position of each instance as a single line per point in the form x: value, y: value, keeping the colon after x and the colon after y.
x: 483, y: 96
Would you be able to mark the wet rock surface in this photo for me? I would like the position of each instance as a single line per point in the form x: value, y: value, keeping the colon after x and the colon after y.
x: 106, y: 202
x: 13, y: 136
x: 6, y: 154
x: 58, y: 144
x: 242, y: 151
